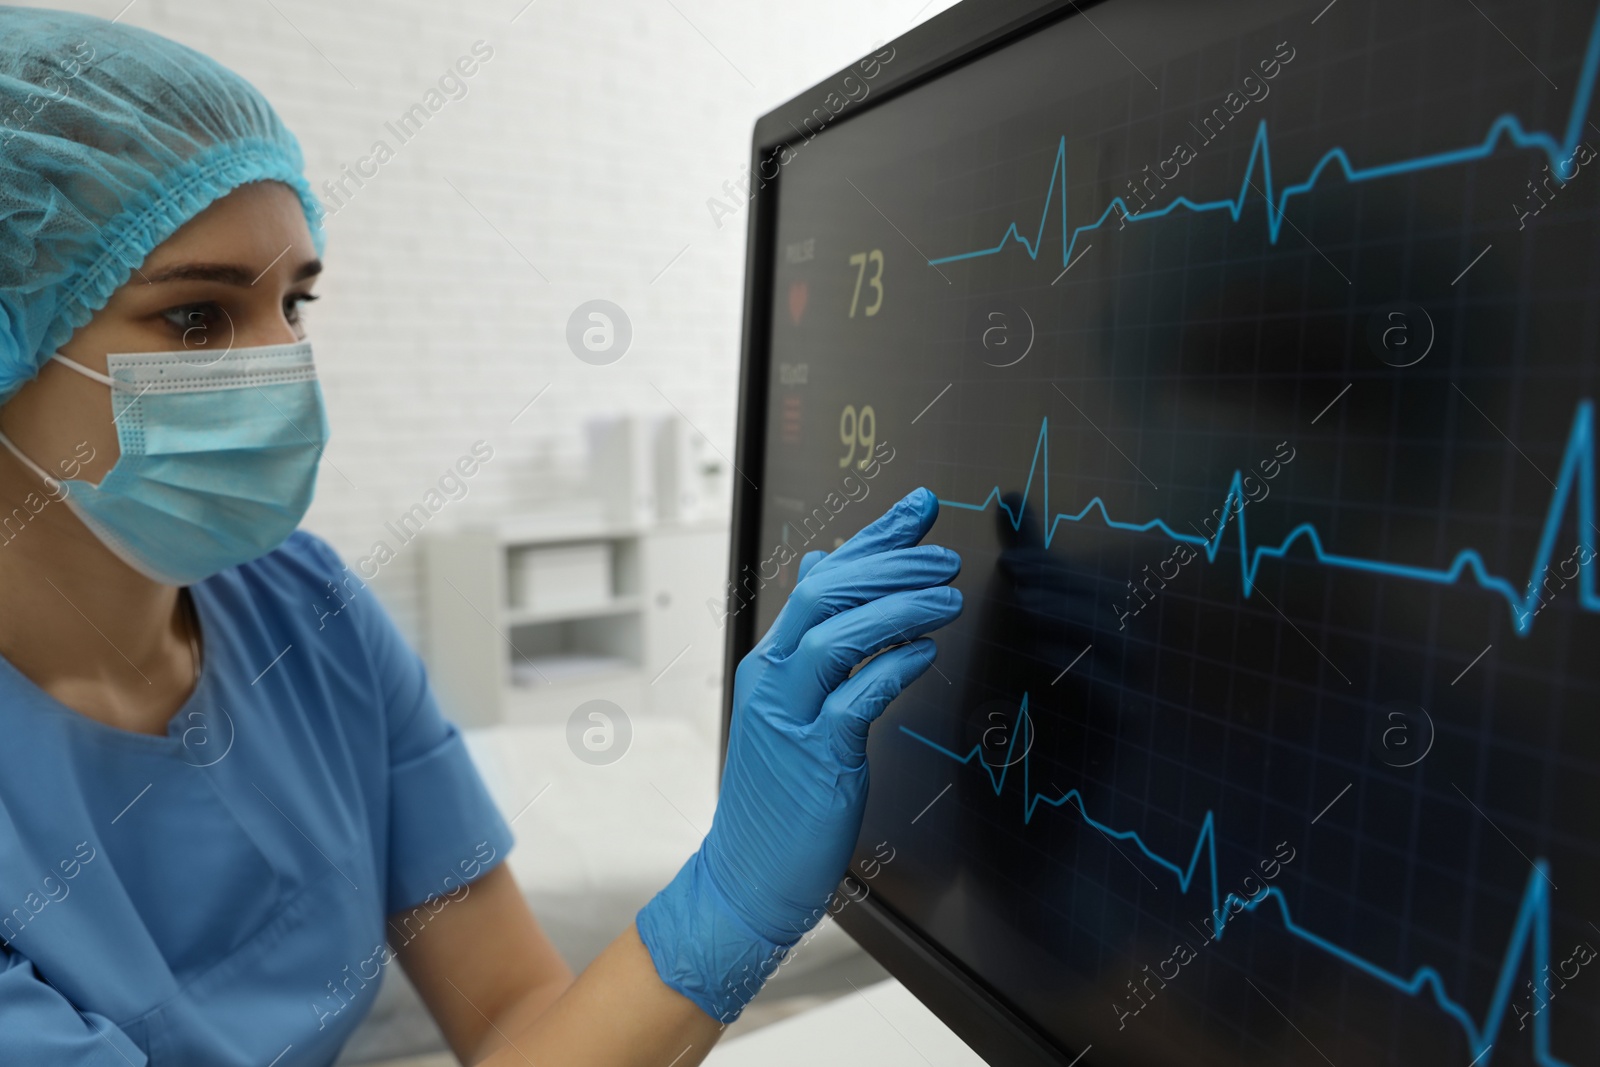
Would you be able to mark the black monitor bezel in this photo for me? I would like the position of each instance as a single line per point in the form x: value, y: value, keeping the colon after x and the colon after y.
x: 963, y: 33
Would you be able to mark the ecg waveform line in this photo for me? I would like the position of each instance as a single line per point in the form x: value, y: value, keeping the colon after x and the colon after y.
x: 1530, y: 933
x: 1577, y: 471
x: 1507, y: 126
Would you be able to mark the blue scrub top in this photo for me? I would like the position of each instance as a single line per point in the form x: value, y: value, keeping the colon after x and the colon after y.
x: 219, y: 895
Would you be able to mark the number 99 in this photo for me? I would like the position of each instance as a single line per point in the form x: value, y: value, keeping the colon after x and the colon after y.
x: 858, y: 430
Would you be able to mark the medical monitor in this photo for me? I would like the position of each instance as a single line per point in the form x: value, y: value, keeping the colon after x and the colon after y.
x: 1250, y: 348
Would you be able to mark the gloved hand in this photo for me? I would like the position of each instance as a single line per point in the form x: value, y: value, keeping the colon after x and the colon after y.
x: 795, y: 782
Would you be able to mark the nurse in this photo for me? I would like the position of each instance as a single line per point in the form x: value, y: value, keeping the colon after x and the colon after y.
x: 222, y: 808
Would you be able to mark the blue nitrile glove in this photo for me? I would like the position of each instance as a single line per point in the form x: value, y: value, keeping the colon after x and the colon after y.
x: 795, y: 782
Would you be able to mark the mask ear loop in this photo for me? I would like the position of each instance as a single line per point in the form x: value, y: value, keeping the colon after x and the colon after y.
x: 58, y: 489
x: 54, y: 486
x: 104, y: 379
x: 93, y: 375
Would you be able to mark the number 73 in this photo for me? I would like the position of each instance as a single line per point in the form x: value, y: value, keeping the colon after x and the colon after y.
x: 860, y: 261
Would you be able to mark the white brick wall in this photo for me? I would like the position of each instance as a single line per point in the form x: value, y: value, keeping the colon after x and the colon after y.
x: 591, y: 141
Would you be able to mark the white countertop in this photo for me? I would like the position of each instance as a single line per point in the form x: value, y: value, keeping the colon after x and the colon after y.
x: 875, y: 1025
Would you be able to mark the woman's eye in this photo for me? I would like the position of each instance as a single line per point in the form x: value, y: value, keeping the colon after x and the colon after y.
x: 194, y: 317
x: 292, y: 305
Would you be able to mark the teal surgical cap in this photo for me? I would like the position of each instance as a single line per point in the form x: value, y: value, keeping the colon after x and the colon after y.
x: 111, y: 138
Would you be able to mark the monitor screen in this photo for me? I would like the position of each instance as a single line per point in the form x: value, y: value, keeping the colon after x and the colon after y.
x: 1251, y: 350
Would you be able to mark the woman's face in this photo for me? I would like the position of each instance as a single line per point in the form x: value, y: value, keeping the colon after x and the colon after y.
x: 234, y: 276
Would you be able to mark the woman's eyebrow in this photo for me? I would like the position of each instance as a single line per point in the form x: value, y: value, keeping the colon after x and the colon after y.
x: 225, y: 273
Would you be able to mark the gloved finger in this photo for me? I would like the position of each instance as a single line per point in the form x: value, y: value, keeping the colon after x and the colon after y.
x: 828, y: 651
x: 855, y: 583
x: 807, y: 561
x: 901, y: 526
x: 851, y: 709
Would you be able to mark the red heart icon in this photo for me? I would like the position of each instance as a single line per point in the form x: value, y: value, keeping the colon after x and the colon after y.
x: 798, y: 293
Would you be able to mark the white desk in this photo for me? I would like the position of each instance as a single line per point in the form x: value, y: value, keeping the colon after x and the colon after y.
x: 879, y: 1024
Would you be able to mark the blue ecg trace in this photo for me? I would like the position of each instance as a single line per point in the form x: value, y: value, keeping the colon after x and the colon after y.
x: 1530, y: 932
x: 1577, y: 471
x: 1507, y: 126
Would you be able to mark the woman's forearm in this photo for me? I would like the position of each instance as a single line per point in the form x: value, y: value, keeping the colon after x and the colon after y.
x: 515, y: 1017
x: 618, y: 1013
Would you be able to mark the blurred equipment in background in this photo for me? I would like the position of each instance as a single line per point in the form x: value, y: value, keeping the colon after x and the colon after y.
x: 602, y: 595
